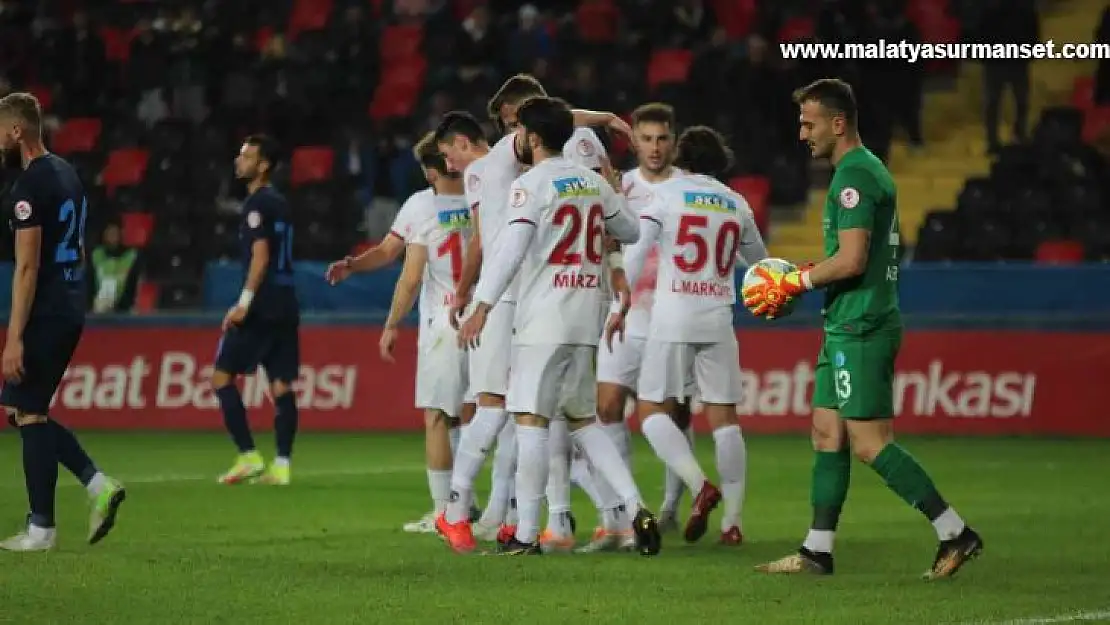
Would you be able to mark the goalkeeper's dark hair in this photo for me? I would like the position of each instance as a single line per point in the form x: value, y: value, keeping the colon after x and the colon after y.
x: 834, y: 95
x: 267, y: 149
x: 703, y: 150
x: 459, y: 123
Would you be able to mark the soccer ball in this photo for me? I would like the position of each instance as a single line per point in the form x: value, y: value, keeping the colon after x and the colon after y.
x: 775, y: 266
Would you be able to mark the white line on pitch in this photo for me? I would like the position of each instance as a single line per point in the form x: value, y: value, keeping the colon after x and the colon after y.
x: 1075, y: 617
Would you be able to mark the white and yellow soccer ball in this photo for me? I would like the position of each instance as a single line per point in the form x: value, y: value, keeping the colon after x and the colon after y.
x: 776, y: 267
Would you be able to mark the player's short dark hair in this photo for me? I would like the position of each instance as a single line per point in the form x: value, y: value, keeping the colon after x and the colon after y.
x: 550, y: 119
x: 267, y: 148
x: 456, y: 123
x: 654, y: 112
x: 427, y: 153
x: 703, y: 150
x: 23, y: 106
x: 515, y: 90
x: 834, y: 94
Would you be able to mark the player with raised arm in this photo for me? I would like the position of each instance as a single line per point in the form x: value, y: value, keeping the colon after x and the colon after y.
x: 433, y: 262
x: 653, y: 128
x: 47, y: 209
x: 584, y: 148
x: 853, y: 390
x: 263, y: 326
x: 487, y: 174
x: 702, y: 228
x: 418, y: 208
x: 552, y: 247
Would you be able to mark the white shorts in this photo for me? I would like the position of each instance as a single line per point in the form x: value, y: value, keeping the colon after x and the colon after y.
x: 553, y: 381
x: 489, y: 362
x: 441, y: 369
x: 622, y: 365
x: 667, y: 365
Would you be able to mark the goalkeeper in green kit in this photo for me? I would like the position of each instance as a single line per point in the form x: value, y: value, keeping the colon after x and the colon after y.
x: 854, y: 378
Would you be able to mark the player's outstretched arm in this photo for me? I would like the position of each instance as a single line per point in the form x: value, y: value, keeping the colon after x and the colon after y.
x: 472, y: 261
x: 28, y: 243
x: 385, y: 252
x: 586, y: 117
x: 620, y: 222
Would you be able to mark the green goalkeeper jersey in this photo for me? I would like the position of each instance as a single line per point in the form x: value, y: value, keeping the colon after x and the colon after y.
x: 862, y: 195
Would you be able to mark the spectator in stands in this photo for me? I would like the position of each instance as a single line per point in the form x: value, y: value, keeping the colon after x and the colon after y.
x: 904, y: 82
x: 1102, y: 75
x: 79, y: 63
x: 115, y: 273
x: 1006, y: 21
x: 479, y: 49
x: 530, y: 44
x: 693, y: 24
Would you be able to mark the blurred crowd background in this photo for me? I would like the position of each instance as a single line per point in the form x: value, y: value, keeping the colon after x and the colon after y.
x: 995, y: 161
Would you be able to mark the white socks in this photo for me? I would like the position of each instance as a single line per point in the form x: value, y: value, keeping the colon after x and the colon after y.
x: 454, y: 434
x: 948, y: 525
x: 558, y: 478
x: 732, y: 460
x: 534, y: 457
x: 603, y: 454
x: 439, y: 485
x: 673, y: 487
x: 618, y: 433
x: 473, y: 444
x: 96, y: 484
x: 502, y: 476
x: 674, y: 450
x: 819, y: 541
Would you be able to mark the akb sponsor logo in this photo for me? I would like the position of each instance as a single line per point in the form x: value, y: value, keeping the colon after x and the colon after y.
x: 180, y: 383
x: 934, y: 392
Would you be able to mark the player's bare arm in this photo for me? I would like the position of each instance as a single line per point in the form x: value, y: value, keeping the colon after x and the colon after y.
x: 28, y: 242
x: 260, y: 260
x: 586, y: 117
x: 849, y: 261
x: 649, y: 230
x: 385, y: 252
x: 404, y: 297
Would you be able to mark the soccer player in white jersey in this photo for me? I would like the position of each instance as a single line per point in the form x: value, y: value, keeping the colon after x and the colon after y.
x: 702, y: 228
x: 487, y: 175
x: 584, y: 148
x: 418, y: 208
x: 552, y: 247
x: 433, y: 263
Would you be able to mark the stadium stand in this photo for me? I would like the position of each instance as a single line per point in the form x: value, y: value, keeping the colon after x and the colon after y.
x: 149, y: 100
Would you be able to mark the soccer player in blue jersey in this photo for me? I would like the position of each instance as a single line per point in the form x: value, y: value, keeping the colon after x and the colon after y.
x: 46, y: 208
x: 262, y: 327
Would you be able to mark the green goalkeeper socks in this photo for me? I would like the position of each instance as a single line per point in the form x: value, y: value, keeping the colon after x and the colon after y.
x: 908, y: 479
x: 832, y: 471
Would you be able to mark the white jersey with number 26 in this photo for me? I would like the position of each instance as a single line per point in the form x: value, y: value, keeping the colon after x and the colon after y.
x: 703, y: 228
x: 560, y: 278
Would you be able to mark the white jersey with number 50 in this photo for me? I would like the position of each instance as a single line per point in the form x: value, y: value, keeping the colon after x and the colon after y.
x: 445, y: 235
x: 704, y: 228
x: 560, y: 277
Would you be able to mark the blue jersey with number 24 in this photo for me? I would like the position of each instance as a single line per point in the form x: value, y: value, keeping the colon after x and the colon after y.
x: 266, y: 216
x: 49, y: 195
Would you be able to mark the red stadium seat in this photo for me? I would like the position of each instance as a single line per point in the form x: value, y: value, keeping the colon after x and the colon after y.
x: 1060, y: 252
x: 668, y: 66
x: 390, y: 103
x: 1083, y: 93
x: 757, y: 191
x: 796, y: 29
x: 43, y: 94
x: 77, y: 136
x: 308, y: 15
x: 146, y: 297
x: 117, y: 43
x: 402, y: 41
x: 262, y: 38
x: 311, y: 164
x: 135, y: 229
x: 1096, y: 124
x: 126, y: 168
x: 406, y: 75
x: 736, y: 16
x: 597, y: 21
x: 399, y: 88
x: 463, y: 8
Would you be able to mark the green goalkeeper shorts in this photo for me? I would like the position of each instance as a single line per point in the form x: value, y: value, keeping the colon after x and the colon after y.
x: 855, y: 375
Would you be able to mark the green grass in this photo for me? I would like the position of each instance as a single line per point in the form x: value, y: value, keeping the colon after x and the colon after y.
x: 329, y: 549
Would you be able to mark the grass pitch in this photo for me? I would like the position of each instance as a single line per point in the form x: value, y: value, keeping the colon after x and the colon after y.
x: 329, y: 549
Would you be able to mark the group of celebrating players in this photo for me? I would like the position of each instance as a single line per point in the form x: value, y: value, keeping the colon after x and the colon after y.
x: 536, y: 325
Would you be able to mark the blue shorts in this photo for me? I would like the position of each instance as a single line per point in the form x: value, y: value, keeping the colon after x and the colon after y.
x: 48, y: 346
x: 274, y: 345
